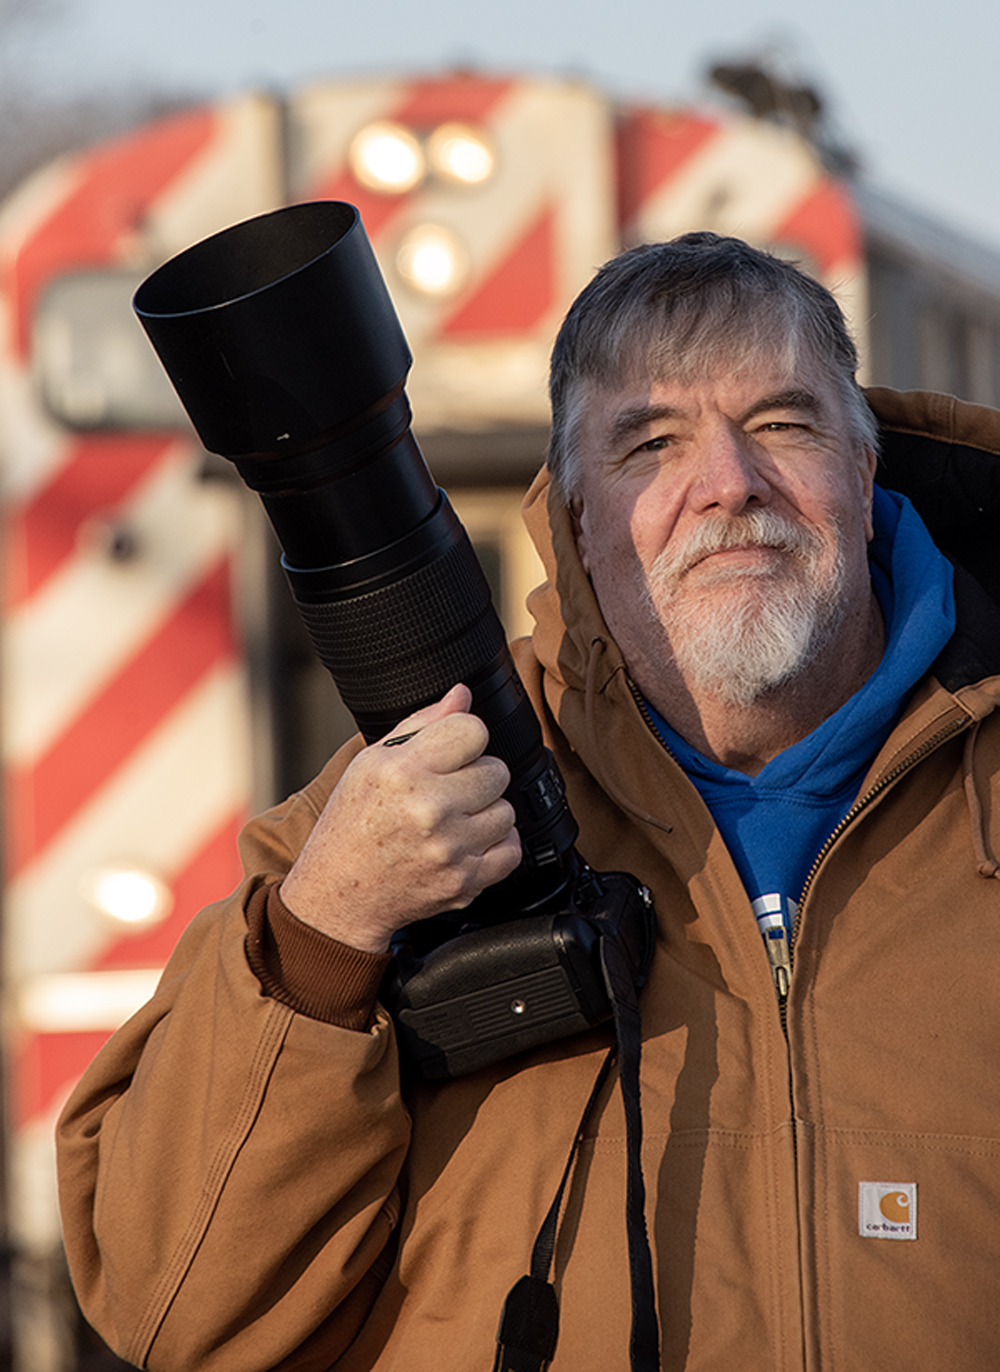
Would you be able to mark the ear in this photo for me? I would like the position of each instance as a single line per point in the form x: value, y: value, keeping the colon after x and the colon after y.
x: 867, y: 463
x: 578, y: 519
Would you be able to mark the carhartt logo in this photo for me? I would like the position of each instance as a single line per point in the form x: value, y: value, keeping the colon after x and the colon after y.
x: 895, y: 1206
x: 887, y: 1209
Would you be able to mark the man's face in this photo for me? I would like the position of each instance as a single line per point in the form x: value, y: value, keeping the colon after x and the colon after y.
x: 724, y: 525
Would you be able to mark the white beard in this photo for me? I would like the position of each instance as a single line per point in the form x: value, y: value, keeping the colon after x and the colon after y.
x: 739, y: 633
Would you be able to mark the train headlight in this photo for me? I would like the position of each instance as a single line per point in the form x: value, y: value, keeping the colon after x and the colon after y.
x: 127, y: 894
x: 460, y: 154
x: 432, y: 260
x: 387, y: 157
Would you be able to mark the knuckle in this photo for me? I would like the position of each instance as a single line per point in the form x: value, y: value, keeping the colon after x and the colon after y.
x: 469, y: 730
x: 439, y: 853
x: 459, y: 890
x: 425, y: 814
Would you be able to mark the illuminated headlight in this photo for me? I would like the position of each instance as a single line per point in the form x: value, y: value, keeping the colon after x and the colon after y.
x: 459, y: 153
x: 386, y: 157
x: 432, y: 260
x: 128, y: 895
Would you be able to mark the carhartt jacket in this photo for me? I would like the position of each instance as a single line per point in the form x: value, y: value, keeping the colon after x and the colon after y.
x: 248, y: 1185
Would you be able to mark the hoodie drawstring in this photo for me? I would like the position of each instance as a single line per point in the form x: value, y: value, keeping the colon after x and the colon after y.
x: 986, y: 864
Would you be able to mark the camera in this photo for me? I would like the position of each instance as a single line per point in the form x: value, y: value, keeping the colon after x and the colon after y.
x: 281, y: 340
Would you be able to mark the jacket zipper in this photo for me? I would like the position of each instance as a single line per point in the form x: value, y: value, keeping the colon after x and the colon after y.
x: 782, y: 972
x: 781, y: 951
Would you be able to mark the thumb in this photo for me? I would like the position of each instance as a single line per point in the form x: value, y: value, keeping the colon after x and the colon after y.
x: 456, y: 701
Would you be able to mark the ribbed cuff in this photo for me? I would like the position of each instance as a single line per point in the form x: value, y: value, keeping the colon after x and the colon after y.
x: 316, y: 975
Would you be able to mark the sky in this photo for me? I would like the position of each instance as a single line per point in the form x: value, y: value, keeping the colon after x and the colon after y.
x: 910, y: 86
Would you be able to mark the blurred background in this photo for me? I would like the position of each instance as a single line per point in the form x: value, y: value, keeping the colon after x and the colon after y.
x: 157, y: 685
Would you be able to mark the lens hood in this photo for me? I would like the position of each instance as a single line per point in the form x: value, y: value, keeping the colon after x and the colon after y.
x: 277, y: 333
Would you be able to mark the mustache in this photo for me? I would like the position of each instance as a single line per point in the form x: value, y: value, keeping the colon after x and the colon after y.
x: 753, y: 529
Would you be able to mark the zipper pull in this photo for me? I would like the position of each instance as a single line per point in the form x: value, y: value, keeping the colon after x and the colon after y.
x: 776, y: 943
x: 769, y: 912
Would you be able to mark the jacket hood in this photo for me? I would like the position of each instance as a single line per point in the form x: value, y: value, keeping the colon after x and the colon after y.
x: 566, y: 597
x: 942, y: 453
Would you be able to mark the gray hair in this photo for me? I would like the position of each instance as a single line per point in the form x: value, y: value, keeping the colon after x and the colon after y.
x: 679, y: 310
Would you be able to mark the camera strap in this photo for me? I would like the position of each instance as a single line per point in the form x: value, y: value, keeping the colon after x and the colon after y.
x: 529, y: 1323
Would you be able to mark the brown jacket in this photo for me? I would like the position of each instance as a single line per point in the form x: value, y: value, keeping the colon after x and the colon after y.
x: 245, y: 1187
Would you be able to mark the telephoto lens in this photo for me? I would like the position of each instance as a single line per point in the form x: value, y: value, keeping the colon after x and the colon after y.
x: 282, y: 342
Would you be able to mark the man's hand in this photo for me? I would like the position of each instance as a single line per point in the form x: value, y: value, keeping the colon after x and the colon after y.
x: 410, y: 830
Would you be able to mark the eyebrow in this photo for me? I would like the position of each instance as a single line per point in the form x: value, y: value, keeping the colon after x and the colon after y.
x: 631, y: 421
x: 795, y: 399
x: 637, y: 417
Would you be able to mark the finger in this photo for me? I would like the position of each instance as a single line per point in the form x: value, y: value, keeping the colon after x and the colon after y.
x: 503, y: 858
x: 496, y: 863
x: 479, y: 784
x: 492, y: 827
x: 456, y: 701
x: 446, y: 745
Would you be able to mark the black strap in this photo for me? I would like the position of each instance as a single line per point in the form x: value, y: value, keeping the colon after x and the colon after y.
x: 644, y: 1345
x: 529, y: 1323
x: 529, y: 1327
x: 545, y: 1244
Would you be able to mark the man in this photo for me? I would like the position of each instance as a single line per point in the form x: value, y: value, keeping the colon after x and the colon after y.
x: 771, y: 701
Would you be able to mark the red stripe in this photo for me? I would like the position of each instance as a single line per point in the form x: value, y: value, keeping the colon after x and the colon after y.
x: 43, y: 798
x: 45, y: 1067
x: 100, y: 473
x: 826, y: 225
x: 652, y: 147
x: 118, y: 182
x: 518, y: 294
x: 469, y: 99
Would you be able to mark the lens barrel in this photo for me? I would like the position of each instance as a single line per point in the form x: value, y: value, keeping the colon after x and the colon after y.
x: 282, y: 342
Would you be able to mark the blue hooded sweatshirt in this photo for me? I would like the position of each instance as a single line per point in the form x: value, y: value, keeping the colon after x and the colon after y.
x: 776, y: 822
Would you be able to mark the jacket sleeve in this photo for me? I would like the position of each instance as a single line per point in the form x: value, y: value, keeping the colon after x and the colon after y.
x: 229, y: 1166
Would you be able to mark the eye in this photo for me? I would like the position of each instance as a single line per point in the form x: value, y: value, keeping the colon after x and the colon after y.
x: 653, y: 445
x: 796, y: 429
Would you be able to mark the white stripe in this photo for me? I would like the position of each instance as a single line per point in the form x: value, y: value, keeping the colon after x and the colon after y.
x: 157, y: 811
x: 770, y: 921
x: 234, y: 176
x: 64, y: 645
x: 768, y: 904
x: 745, y: 182
x: 81, y: 1002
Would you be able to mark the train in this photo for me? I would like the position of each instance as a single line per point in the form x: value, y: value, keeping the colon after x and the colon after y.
x: 157, y: 685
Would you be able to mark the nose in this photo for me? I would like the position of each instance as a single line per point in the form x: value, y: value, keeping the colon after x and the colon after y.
x: 728, y: 476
